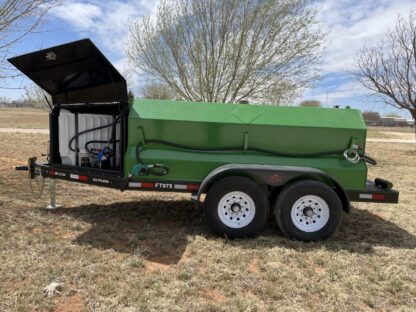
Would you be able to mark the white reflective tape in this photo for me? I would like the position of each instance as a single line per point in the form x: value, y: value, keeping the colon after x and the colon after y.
x: 74, y: 176
x: 366, y: 196
x: 180, y: 186
x: 135, y: 184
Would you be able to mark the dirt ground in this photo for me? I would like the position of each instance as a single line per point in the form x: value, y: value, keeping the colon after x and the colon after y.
x: 137, y: 251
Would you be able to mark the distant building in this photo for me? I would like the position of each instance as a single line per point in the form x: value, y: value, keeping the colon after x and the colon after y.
x: 15, y: 104
x: 393, y: 122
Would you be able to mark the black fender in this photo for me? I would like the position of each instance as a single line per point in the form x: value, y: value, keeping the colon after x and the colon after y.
x: 274, y: 177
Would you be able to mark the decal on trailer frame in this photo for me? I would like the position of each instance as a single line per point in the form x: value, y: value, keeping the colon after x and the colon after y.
x: 105, y: 181
x: 165, y: 186
x: 57, y: 173
x: 78, y: 177
x: 372, y: 196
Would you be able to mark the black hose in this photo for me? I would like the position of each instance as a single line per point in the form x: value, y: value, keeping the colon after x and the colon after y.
x: 152, y: 171
x: 89, y: 130
x: 370, y: 160
x: 95, y: 141
x: 138, y: 148
x: 239, y: 148
x: 113, y: 124
x: 229, y: 148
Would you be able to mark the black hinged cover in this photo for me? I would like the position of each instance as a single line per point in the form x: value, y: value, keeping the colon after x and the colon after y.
x: 76, y: 72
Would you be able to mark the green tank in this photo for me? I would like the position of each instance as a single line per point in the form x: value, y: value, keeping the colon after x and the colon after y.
x: 191, y: 139
x: 240, y: 161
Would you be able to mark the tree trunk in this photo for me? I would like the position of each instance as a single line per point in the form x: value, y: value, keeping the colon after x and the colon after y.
x: 414, y: 126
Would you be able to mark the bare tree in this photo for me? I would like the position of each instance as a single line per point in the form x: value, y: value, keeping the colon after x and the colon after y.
x: 18, y: 18
x: 281, y: 94
x: 389, y: 69
x: 229, y: 51
x: 36, y: 97
x: 4, y: 100
x: 393, y: 115
x: 130, y: 96
x: 158, y: 91
x: 371, y: 118
x: 311, y: 103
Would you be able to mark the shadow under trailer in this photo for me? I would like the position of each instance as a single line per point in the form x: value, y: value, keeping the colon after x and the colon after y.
x: 305, y: 164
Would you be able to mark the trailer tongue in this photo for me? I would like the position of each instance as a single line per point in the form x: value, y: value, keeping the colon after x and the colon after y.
x: 306, y: 163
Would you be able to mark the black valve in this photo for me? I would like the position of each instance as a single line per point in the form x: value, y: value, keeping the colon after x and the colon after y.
x: 383, y: 184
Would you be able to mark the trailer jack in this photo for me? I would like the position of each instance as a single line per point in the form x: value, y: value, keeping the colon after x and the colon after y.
x: 34, y: 171
x: 52, y: 191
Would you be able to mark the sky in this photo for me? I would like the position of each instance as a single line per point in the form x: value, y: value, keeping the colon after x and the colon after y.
x: 350, y: 25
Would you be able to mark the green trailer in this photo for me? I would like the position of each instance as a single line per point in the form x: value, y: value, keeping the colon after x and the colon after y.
x: 243, y: 162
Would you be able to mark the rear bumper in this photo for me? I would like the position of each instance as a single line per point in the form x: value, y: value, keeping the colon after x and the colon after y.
x: 374, y: 194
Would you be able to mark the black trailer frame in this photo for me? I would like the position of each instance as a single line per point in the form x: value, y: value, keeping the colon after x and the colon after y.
x: 105, y: 179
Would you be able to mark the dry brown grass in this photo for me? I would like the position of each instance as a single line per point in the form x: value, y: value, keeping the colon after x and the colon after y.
x: 26, y: 118
x: 393, y: 129
x: 150, y: 252
x: 404, y: 133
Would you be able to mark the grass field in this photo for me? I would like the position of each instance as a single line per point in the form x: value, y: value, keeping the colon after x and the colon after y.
x: 136, y: 251
x: 23, y: 118
x: 391, y: 133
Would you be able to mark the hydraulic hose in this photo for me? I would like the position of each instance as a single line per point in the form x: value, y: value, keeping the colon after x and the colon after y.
x: 239, y: 148
x: 90, y: 130
x: 367, y: 158
x: 95, y: 141
x: 165, y: 170
x: 113, y: 124
x: 159, y: 169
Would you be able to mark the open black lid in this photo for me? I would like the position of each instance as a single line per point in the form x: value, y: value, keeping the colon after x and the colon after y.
x: 76, y: 72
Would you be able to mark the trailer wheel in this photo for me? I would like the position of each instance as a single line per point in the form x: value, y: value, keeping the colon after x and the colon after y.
x: 236, y: 207
x: 308, y: 211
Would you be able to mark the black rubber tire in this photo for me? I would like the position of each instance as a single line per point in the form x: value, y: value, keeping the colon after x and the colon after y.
x: 290, y: 194
x: 232, y: 184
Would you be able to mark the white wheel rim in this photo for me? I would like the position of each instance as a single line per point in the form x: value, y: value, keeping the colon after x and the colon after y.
x: 236, y: 209
x: 310, y: 213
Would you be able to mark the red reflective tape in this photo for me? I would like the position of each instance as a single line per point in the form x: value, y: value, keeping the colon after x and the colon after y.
x: 378, y: 196
x: 83, y: 178
x: 148, y: 185
x: 192, y: 187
